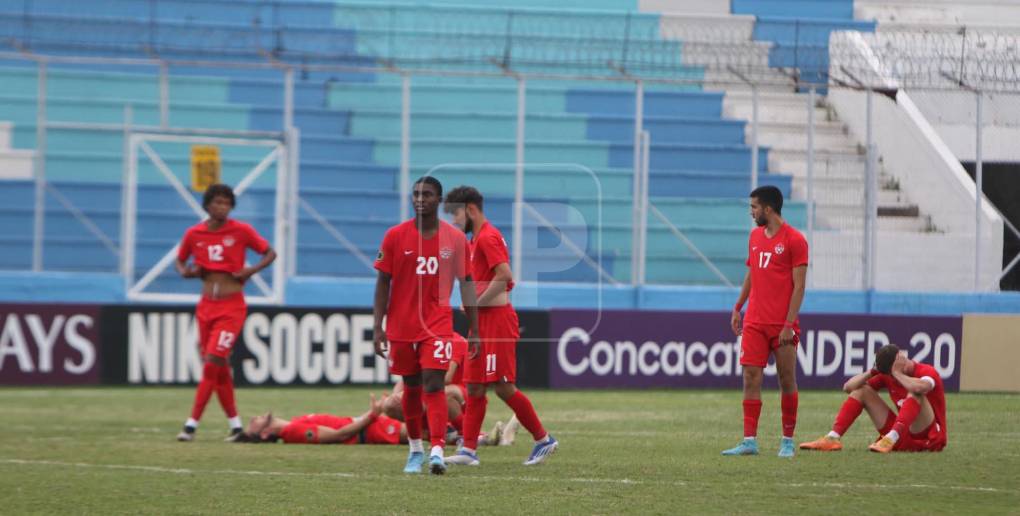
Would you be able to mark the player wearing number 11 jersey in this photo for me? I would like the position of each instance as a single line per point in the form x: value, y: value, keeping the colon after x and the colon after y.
x: 218, y: 246
x: 417, y: 263
x: 777, y: 262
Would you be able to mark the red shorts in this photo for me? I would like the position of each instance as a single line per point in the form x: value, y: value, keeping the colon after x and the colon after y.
x: 931, y: 439
x: 409, y: 358
x: 383, y: 430
x: 757, y: 341
x: 499, y: 330
x: 220, y: 321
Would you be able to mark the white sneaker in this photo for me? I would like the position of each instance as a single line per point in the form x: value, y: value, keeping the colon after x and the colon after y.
x: 492, y: 438
x: 463, y: 458
x: 186, y: 437
x: 509, y: 431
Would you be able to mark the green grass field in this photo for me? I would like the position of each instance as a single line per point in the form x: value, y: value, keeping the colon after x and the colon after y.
x: 112, y: 450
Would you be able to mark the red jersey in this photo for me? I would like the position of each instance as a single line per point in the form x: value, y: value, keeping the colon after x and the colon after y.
x: 772, y: 261
x: 460, y: 347
x: 488, y: 249
x: 897, y: 393
x: 422, y: 274
x: 305, y: 429
x: 221, y: 250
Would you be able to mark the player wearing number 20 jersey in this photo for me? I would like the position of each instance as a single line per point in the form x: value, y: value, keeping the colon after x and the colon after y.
x: 417, y: 264
x: 218, y: 246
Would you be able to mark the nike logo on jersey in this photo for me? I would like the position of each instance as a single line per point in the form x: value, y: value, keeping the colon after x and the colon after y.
x: 407, y: 252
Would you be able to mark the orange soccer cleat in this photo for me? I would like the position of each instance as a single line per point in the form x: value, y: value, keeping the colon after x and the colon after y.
x: 823, y: 443
x: 883, y: 445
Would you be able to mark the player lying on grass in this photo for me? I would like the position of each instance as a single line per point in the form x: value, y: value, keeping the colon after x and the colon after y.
x: 369, y: 428
x: 915, y: 389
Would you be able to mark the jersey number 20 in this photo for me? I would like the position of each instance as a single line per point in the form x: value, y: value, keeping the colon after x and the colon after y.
x: 427, y: 265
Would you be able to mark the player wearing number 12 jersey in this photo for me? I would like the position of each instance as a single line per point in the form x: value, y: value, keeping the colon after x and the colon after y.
x: 417, y: 263
x: 496, y: 365
x: 218, y: 246
x: 777, y: 262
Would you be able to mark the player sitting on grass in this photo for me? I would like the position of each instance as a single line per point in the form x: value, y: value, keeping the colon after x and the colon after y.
x: 916, y: 389
x: 369, y: 428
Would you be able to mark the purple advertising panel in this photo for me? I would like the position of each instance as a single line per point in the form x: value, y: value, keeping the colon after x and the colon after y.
x: 49, y: 344
x: 635, y: 349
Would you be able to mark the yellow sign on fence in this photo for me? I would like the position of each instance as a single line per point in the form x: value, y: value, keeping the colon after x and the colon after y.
x: 205, y: 166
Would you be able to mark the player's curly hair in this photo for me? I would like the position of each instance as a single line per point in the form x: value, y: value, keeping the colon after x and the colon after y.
x: 462, y: 196
x: 884, y: 358
x: 218, y: 190
x: 770, y: 196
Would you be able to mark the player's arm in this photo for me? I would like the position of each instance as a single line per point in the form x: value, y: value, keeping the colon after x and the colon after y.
x: 858, y: 381
x: 268, y: 258
x: 796, y: 299
x: 329, y: 435
x: 745, y: 291
x: 379, y: 304
x: 918, y: 386
x: 181, y: 263
x: 467, y: 295
x: 501, y: 277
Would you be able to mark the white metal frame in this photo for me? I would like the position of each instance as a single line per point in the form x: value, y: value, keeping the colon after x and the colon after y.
x: 139, y: 141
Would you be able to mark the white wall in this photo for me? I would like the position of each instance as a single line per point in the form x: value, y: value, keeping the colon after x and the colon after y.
x: 953, y: 115
x: 931, y: 175
x: 14, y: 163
x: 686, y: 6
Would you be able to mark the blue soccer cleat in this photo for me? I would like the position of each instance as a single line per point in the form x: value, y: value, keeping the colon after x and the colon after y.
x: 541, y: 451
x: 463, y: 458
x: 786, y: 447
x: 749, y: 446
x: 436, y: 465
x: 414, y: 462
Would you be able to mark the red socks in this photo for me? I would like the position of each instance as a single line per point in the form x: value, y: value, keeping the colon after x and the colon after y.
x: 210, y: 377
x: 435, y: 403
x: 474, y: 414
x: 410, y: 402
x: 847, y: 415
x: 890, y: 420
x: 908, y: 413
x: 752, y: 411
x: 225, y: 391
x: 458, y: 423
x: 525, y: 412
x: 788, y: 403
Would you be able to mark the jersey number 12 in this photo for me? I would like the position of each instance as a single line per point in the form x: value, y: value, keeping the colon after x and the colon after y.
x: 215, y: 253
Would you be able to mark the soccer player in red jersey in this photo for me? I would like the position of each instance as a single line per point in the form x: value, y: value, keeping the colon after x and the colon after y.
x: 496, y: 365
x: 918, y: 421
x: 417, y: 263
x: 777, y: 261
x: 218, y: 246
x: 369, y: 428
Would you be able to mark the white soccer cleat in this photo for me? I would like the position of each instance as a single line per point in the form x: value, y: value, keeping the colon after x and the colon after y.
x: 463, y: 458
x: 509, y: 432
x: 492, y: 438
x: 186, y: 437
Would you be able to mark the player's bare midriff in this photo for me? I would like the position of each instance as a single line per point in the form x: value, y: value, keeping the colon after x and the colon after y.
x: 218, y: 285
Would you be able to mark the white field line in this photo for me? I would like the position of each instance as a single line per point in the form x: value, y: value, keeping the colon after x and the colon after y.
x: 614, y: 481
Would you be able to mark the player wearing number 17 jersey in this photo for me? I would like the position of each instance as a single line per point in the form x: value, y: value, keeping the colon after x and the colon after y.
x: 777, y: 262
x: 496, y: 365
x: 417, y: 263
x: 218, y: 246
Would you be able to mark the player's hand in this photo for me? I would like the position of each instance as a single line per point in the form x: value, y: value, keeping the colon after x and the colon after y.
x: 735, y: 322
x: 786, y: 336
x: 243, y: 274
x: 190, y: 271
x: 375, y: 406
x: 474, y: 345
x: 382, y: 344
